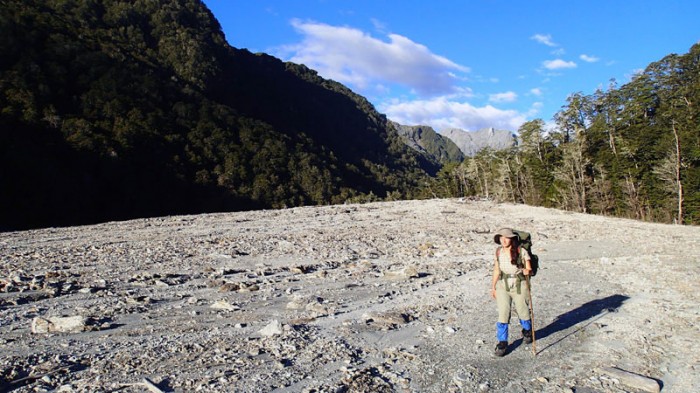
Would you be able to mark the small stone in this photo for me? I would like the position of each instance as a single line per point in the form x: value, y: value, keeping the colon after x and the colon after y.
x: 299, y: 269
x: 229, y: 287
x: 248, y: 288
x: 294, y: 305
x: 317, y: 308
x: 274, y: 328
x: 407, y: 272
x: 224, y: 305
x: 460, y: 379
x: 633, y: 380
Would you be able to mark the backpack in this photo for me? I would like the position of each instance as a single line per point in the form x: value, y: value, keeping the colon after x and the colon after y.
x: 525, y: 242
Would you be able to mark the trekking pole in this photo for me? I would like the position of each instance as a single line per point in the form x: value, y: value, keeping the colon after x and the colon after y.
x: 532, y: 317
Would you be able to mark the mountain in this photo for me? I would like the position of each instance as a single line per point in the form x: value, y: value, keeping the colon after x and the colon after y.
x: 470, y: 142
x: 437, y: 148
x: 113, y: 110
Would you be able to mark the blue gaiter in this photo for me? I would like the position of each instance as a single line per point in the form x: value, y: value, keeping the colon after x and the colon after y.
x: 527, y: 325
x: 502, y: 331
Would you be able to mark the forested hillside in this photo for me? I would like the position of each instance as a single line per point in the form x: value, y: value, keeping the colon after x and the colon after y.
x: 119, y: 109
x: 630, y: 151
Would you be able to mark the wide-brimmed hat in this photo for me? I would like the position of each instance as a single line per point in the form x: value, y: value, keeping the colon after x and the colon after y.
x: 505, y: 232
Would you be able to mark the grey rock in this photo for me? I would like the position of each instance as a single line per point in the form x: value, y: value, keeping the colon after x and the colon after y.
x: 471, y: 142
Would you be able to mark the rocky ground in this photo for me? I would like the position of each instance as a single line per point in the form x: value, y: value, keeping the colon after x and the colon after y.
x: 385, y: 297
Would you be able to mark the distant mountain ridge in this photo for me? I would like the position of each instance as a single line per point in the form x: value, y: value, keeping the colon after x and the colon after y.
x: 424, y: 139
x: 471, y: 142
x: 453, y: 144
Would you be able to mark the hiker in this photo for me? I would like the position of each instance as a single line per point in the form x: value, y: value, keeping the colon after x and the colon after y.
x: 509, y: 285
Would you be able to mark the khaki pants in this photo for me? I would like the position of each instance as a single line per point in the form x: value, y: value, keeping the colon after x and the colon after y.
x: 505, y: 298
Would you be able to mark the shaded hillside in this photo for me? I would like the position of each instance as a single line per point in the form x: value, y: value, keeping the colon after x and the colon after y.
x: 437, y: 149
x: 112, y: 110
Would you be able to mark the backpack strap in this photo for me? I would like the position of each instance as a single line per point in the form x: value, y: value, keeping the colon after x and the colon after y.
x: 505, y: 277
x: 520, y: 256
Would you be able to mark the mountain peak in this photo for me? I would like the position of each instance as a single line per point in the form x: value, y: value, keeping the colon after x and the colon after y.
x: 471, y: 142
x: 437, y: 148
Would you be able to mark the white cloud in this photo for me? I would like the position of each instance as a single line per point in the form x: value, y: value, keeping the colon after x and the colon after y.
x: 558, y: 64
x: 379, y: 25
x: 461, y: 92
x: 535, y: 109
x: 545, y: 39
x: 536, y: 91
x: 589, y: 59
x: 558, y: 52
x: 508, y: 96
x: 353, y: 57
x: 442, y: 113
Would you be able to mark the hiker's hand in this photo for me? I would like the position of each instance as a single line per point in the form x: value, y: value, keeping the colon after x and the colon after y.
x: 493, y: 293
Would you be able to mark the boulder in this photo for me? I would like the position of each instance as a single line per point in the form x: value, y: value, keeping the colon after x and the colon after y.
x: 74, y: 324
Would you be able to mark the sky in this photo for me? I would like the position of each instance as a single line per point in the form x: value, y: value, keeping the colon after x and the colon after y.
x: 468, y: 64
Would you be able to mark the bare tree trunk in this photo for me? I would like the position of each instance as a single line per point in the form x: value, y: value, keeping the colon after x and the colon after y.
x: 634, y: 198
x: 509, y: 180
x: 521, y: 180
x: 485, y: 186
x: 582, y: 180
x: 678, y: 174
x: 611, y: 141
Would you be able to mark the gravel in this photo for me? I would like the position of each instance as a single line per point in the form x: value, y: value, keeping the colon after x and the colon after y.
x: 381, y: 297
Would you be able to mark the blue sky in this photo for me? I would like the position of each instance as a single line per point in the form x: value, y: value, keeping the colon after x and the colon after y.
x: 465, y: 64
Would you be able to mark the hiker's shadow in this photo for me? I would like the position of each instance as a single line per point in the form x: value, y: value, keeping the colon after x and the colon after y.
x: 582, y: 313
x: 590, y: 312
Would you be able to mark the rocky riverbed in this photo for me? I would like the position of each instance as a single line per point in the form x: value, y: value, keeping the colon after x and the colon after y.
x: 382, y: 297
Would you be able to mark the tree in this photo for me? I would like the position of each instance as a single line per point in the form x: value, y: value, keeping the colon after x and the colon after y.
x: 535, y: 157
x: 573, y: 173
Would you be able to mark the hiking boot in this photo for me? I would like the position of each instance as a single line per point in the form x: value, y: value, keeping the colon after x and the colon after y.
x: 527, y: 336
x: 501, y: 348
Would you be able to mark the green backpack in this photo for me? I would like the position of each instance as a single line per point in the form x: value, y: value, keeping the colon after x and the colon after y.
x: 525, y: 242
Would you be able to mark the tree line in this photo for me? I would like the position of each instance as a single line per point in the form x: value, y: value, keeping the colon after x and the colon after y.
x: 626, y: 151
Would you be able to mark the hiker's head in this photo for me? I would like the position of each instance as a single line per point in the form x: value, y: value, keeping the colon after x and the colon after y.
x: 506, y: 237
